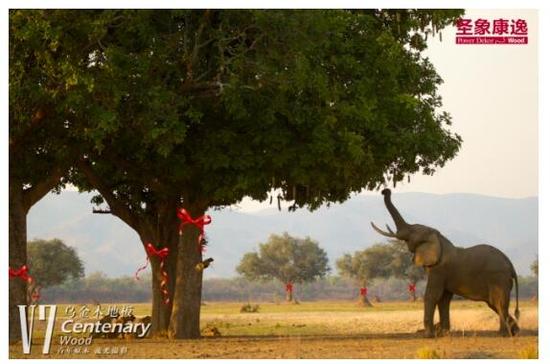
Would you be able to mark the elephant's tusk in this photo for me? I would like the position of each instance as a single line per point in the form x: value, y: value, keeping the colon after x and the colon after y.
x: 382, y: 232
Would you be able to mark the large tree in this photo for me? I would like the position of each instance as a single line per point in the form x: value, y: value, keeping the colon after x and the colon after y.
x: 287, y: 259
x: 48, y: 52
x: 200, y: 108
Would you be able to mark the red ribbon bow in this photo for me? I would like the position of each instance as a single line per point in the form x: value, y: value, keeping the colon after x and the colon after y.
x: 162, y: 254
x: 412, y: 287
x: 363, y: 291
x: 199, y: 222
x: 289, y: 287
x: 22, y: 273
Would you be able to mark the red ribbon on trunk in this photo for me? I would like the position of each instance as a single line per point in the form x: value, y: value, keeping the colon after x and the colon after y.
x: 22, y: 273
x: 412, y: 287
x: 162, y: 254
x: 289, y: 287
x: 199, y: 222
x: 35, y: 296
x: 363, y: 291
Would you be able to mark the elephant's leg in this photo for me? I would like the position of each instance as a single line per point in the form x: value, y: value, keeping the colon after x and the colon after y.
x: 501, y: 302
x: 443, y: 307
x: 502, y: 327
x: 432, y: 295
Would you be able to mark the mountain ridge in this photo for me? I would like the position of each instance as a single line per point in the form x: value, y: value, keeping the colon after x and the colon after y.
x: 106, y: 244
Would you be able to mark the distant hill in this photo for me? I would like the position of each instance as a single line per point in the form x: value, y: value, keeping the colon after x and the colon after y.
x: 106, y: 244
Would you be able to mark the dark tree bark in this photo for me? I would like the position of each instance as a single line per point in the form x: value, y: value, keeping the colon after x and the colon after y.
x: 20, y: 202
x: 17, y: 257
x: 185, y: 319
x: 164, y: 237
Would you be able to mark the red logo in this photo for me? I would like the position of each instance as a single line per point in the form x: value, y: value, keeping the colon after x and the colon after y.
x: 491, y: 31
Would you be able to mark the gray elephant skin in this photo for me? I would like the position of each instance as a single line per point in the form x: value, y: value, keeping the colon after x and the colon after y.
x: 480, y: 273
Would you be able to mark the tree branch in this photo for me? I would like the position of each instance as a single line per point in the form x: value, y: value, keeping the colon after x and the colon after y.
x: 33, y: 194
x: 117, y: 206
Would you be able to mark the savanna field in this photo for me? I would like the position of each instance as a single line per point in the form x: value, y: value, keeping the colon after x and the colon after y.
x: 317, y: 330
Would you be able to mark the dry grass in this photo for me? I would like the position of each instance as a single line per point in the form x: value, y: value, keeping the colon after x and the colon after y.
x: 427, y: 353
x: 328, y: 330
x: 530, y: 352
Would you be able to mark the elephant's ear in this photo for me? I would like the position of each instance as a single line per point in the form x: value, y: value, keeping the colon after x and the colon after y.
x: 428, y: 253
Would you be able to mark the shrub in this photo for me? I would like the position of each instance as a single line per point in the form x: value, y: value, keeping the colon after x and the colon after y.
x: 248, y: 308
x: 427, y: 353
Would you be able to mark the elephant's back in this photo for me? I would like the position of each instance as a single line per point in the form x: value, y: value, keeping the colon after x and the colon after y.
x: 488, y: 258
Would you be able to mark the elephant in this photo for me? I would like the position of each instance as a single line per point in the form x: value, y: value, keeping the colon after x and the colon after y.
x: 480, y: 273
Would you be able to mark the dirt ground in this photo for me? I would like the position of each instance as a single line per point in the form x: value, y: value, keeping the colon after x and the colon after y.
x: 322, y: 330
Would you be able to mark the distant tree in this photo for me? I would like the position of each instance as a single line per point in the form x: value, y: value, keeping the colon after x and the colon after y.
x: 52, y: 262
x: 287, y: 259
x: 535, y: 267
x: 365, y: 265
x: 535, y: 271
x: 403, y: 267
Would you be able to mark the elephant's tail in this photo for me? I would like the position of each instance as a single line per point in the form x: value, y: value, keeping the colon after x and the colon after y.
x: 516, y: 312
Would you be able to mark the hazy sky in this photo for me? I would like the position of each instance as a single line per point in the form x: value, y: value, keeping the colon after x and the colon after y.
x: 491, y: 93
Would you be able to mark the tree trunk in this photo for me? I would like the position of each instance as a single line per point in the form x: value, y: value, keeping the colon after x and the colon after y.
x: 364, y: 301
x: 17, y: 257
x: 165, y: 235
x: 161, y: 311
x: 185, y: 319
x: 289, y: 296
x: 363, y: 293
x: 412, y: 291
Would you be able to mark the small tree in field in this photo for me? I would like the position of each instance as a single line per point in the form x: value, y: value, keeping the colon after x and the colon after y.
x: 403, y: 267
x: 535, y: 267
x: 287, y: 259
x: 53, y: 262
x: 366, y: 265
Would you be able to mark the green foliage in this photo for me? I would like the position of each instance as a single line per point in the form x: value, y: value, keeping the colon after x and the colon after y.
x: 328, y: 101
x: 286, y: 259
x: 402, y: 265
x: 52, y: 262
x: 373, y: 262
x: 381, y: 260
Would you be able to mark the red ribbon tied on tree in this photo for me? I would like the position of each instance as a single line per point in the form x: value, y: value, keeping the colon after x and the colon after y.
x: 162, y: 254
x: 412, y: 287
x: 363, y: 291
x: 289, y: 287
x: 199, y: 222
x: 22, y: 273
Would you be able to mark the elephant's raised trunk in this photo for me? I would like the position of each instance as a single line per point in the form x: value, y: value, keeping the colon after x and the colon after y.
x: 397, y: 218
x: 402, y: 227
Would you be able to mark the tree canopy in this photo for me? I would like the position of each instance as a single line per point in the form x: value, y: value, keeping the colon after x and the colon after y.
x: 402, y: 265
x: 52, y: 262
x: 381, y: 260
x: 365, y: 265
x: 287, y: 259
x: 329, y: 102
